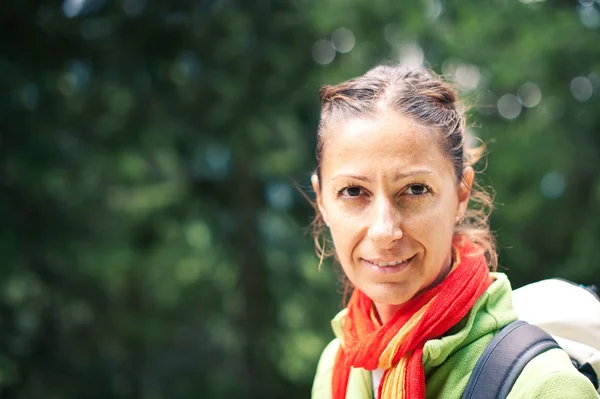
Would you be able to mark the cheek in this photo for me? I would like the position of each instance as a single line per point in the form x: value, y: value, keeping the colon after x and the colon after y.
x: 346, y: 230
x: 433, y: 225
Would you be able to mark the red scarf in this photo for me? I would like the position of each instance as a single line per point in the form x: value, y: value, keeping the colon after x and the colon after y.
x: 397, y: 346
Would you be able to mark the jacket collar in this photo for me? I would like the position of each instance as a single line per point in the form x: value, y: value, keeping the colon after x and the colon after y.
x: 490, y: 313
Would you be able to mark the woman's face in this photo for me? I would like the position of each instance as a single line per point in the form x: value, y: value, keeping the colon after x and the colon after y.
x: 391, y: 199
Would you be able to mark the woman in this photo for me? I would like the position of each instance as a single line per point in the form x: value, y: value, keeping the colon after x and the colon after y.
x: 393, y: 185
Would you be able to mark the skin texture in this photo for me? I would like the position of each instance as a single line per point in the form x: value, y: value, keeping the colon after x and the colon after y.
x: 389, y: 193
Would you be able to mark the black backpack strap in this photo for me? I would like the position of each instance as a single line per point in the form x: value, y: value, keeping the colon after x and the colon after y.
x: 504, y: 358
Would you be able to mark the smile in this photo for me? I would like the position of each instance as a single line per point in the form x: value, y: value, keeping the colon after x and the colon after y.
x: 385, y: 264
x: 387, y: 267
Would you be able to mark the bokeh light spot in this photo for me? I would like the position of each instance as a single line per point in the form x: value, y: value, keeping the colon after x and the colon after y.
x: 185, y: 68
x: 198, y: 235
x: 323, y: 52
x: 589, y: 16
x: 529, y: 94
x: 279, y: 196
x: 433, y: 9
x: 218, y: 160
x: 552, y: 185
x: 411, y: 55
x: 343, y: 40
x: 81, y: 71
x: 509, y: 106
x: 72, y: 8
x: 467, y: 76
x: 449, y: 66
x: 582, y: 88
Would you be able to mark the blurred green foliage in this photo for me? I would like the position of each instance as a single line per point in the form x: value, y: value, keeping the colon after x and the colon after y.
x: 153, y: 239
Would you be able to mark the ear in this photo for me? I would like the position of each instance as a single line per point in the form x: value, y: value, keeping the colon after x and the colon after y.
x: 317, y: 188
x: 464, y: 192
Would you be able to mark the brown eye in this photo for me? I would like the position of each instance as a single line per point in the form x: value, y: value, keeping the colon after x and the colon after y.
x: 352, y: 191
x: 417, y: 189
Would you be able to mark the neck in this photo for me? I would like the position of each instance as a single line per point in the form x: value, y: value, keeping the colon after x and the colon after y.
x: 386, y: 311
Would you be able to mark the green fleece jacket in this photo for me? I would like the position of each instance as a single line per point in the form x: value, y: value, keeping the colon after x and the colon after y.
x: 448, y: 361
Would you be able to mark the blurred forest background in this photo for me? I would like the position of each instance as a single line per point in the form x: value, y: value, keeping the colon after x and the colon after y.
x: 154, y: 244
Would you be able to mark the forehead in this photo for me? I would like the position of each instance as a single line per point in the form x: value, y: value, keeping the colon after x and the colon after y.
x: 388, y: 140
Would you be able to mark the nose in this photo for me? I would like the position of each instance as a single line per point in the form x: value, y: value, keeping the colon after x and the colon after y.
x: 385, y: 227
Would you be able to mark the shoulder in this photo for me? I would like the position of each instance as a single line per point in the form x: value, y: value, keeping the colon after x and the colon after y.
x: 322, y: 383
x: 551, y: 375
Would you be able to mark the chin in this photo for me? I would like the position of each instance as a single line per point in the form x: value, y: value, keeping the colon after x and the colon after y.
x: 392, y: 294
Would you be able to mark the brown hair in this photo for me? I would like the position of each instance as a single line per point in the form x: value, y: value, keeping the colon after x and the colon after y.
x: 432, y: 104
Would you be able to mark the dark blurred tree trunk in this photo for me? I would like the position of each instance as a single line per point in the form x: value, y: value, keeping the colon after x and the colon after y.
x: 135, y: 343
x: 257, y: 308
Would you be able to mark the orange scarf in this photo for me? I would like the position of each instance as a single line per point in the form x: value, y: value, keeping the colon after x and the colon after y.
x: 397, y: 346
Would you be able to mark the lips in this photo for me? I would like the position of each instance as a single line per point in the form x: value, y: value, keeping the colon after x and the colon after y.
x: 387, y: 263
x: 387, y: 266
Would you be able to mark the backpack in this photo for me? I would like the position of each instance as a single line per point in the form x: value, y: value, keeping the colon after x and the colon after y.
x: 553, y: 313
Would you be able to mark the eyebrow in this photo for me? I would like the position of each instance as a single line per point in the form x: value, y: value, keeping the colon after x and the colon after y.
x: 397, y: 176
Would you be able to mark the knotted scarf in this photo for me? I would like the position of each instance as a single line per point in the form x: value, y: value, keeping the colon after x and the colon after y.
x: 397, y: 346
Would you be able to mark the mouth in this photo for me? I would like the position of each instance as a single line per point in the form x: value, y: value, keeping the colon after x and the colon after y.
x: 388, y: 267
